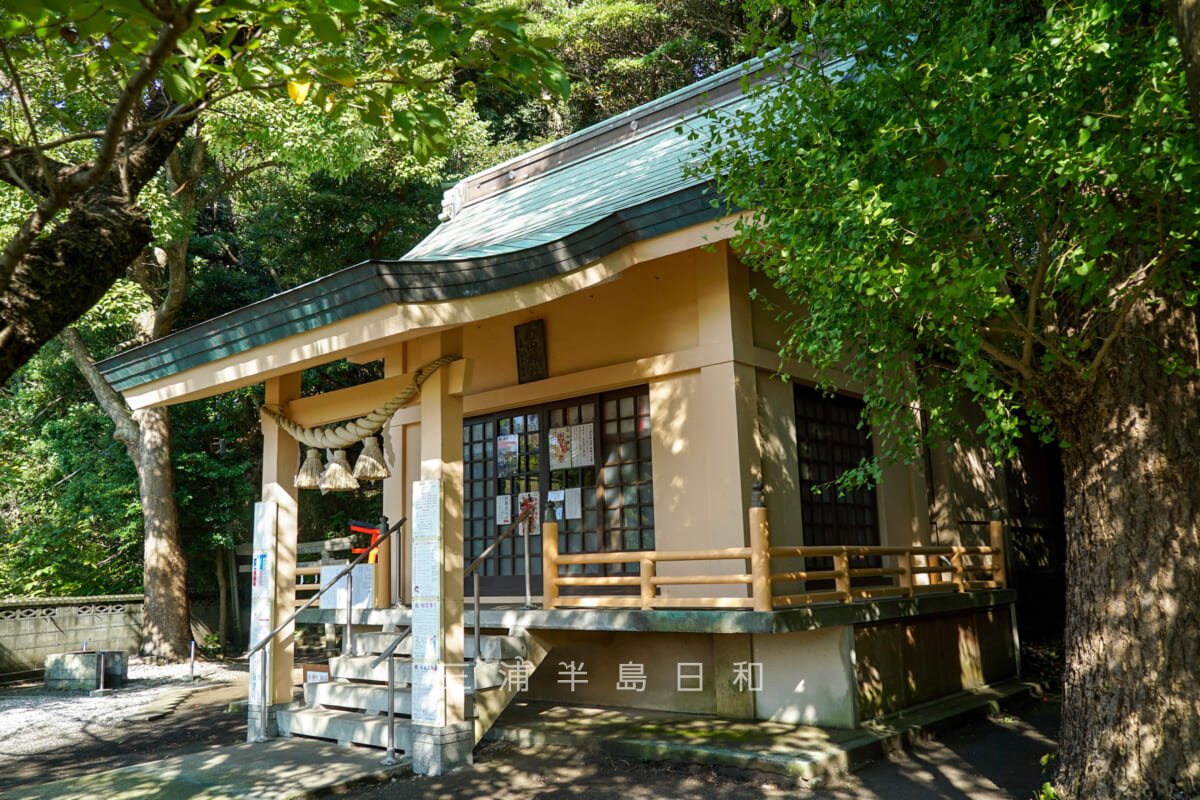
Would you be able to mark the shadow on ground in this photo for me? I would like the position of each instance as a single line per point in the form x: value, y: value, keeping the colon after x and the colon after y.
x: 201, y: 722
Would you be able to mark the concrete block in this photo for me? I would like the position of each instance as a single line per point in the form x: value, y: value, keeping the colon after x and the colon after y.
x: 437, y: 750
x: 81, y: 669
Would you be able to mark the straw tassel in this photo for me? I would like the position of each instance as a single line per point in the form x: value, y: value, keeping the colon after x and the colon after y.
x: 337, y: 477
x: 370, y: 465
x: 309, y: 475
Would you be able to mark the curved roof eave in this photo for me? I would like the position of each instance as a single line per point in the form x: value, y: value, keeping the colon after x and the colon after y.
x: 371, y: 285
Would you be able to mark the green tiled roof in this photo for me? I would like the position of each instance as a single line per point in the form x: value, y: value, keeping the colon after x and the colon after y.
x: 557, y: 209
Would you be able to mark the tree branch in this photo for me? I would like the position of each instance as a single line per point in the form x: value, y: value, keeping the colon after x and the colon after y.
x: 20, y: 92
x: 1004, y: 358
x: 112, y: 403
x: 1137, y: 294
x: 230, y: 180
x: 1031, y: 308
x: 168, y: 37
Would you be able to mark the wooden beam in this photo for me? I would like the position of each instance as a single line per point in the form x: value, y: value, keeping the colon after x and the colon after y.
x: 353, y: 402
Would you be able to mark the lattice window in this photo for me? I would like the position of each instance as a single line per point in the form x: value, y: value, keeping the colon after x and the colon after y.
x: 829, y: 441
x: 511, y: 452
x: 628, y: 475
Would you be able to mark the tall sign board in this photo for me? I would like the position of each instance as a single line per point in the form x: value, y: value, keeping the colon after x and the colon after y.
x: 262, y: 590
x: 428, y: 665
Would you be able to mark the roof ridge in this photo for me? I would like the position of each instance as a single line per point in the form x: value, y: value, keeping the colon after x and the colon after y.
x: 595, y: 139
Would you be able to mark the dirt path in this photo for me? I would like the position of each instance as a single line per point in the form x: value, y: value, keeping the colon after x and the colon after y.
x: 996, y: 759
x: 199, y: 723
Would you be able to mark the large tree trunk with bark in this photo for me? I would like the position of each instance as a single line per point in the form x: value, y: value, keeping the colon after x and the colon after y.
x: 1131, y: 707
x: 166, y: 628
x: 67, y: 272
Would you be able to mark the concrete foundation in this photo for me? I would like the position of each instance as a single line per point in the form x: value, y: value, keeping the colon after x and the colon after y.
x: 437, y: 750
x: 254, y: 714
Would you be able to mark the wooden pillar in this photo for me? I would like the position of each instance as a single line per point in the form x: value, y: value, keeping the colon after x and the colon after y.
x: 281, y: 456
x: 549, y: 562
x: 394, y: 553
x: 441, y: 459
x: 760, y: 551
x: 999, y: 554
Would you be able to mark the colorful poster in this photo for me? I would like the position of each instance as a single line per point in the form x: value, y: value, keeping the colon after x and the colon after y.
x: 560, y: 448
x: 504, y: 509
x: 507, y: 449
x: 582, y: 449
x: 533, y: 524
x: 574, y: 504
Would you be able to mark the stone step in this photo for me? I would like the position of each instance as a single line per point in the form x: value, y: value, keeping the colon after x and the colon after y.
x: 358, y: 668
x: 481, y: 675
x: 493, y: 648
x: 367, y: 698
x: 344, y: 727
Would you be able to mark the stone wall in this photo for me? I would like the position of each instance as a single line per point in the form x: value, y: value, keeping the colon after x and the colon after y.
x: 30, y: 629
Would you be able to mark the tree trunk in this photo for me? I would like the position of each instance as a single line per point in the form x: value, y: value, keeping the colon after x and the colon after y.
x: 66, y: 272
x: 222, y: 600
x: 166, y: 628
x: 70, y: 266
x: 1131, y: 704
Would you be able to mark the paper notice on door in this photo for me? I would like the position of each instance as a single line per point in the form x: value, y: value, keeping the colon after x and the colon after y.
x: 533, y: 524
x: 573, y: 503
x: 582, y: 449
x: 558, y: 498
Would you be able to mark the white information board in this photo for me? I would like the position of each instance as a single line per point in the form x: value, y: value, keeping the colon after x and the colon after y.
x: 426, y: 568
x: 428, y: 673
x: 428, y: 693
x: 364, y: 587
x: 262, y: 582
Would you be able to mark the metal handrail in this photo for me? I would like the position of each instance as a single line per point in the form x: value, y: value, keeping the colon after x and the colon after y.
x: 473, y: 570
x: 391, y: 647
x: 262, y: 724
x: 389, y: 652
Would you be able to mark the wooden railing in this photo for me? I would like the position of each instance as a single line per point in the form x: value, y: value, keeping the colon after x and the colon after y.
x: 909, y: 571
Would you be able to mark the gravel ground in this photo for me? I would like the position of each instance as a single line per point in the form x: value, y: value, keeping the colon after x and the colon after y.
x: 36, y: 720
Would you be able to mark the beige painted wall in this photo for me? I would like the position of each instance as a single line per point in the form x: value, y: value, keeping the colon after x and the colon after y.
x: 721, y: 415
x: 646, y: 311
x: 903, y: 491
x: 659, y: 655
x: 808, y: 677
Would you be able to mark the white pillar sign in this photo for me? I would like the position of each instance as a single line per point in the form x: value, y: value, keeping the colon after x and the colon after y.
x: 262, y: 581
x: 428, y: 673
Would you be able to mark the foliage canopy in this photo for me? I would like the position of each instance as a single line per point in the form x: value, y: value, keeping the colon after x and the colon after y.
x: 966, y: 203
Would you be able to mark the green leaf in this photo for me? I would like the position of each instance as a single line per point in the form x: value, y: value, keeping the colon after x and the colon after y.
x: 438, y: 32
x: 522, y: 65
x: 345, y: 6
x: 343, y: 76
x: 179, y: 87
x: 325, y: 27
